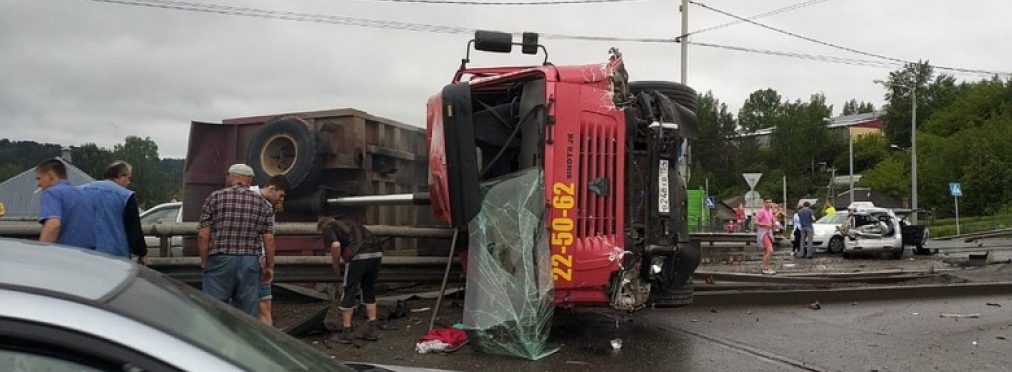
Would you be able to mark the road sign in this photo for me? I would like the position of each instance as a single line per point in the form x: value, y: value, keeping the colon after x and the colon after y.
x: 711, y: 202
x: 955, y: 190
x: 752, y: 179
x: 753, y: 199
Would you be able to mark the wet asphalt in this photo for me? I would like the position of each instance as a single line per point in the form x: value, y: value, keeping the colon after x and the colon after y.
x: 873, y: 336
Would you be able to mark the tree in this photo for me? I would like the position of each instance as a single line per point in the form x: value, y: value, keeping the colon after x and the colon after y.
x: 92, y: 159
x: 932, y: 95
x: 853, y: 107
x: 869, y: 150
x: 150, y: 183
x: 760, y: 110
x: 713, y: 149
x: 799, y: 141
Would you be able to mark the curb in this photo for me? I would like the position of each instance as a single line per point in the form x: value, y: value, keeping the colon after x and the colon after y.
x: 877, y: 293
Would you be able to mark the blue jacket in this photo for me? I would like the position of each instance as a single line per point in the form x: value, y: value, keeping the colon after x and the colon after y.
x: 110, y: 201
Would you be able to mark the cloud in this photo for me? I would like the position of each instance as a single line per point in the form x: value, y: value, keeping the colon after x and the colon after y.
x: 74, y: 71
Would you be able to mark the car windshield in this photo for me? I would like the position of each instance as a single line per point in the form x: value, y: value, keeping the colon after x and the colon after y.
x: 182, y: 311
x: 833, y: 219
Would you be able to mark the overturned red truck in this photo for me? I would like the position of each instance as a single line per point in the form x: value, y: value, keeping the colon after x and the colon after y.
x: 565, y: 178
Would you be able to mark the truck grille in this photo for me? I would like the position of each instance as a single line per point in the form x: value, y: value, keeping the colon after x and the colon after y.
x: 599, y: 170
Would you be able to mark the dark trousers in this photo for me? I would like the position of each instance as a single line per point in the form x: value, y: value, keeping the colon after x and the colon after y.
x: 796, y: 243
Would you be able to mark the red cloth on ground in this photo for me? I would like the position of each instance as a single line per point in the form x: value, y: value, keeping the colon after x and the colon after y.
x: 452, y: 336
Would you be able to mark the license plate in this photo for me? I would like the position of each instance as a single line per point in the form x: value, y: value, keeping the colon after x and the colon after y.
x: 663, y: 192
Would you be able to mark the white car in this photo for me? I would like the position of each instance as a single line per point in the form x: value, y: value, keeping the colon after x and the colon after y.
x: 66, y: 309
x: 160, y: 214
x: 872, y: 230
x: 826, y: 235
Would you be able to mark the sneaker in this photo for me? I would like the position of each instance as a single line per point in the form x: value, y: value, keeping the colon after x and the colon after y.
x: 371, y: 333
x: 345, y: 337
x: 769, y: 271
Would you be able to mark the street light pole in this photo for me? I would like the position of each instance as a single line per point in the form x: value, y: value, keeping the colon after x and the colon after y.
x: 913, y: 155
x: 850, y: 141
x: 913, y: 144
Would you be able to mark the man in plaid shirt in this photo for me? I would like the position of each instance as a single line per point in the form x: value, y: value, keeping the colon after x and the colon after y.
x: 234, y: 224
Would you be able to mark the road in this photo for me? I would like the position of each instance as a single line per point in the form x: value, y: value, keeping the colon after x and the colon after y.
x: 871, y: 336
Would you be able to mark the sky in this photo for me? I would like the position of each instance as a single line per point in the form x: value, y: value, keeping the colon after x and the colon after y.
x: 81, y: 71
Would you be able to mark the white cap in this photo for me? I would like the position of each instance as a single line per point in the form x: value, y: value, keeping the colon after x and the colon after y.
x: 241, y: 170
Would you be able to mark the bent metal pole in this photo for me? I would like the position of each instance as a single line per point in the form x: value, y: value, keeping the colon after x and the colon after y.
x: 380, y: 200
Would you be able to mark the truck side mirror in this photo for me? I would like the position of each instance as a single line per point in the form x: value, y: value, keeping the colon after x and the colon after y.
x: 461, y: 158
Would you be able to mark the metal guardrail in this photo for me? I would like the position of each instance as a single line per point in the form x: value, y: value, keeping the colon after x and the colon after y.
x: 316, y: 269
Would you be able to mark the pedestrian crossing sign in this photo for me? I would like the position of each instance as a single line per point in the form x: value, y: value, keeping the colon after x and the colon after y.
x: 955, y: 190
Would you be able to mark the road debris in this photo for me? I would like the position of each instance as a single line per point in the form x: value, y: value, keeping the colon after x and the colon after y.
x: 853, y: 303
x: 815, y: 305
x: 420, y: 310
x: 713, y: 310
x: 616, y: 343
x: 960, y: 315
x: 577, y: 362
x: 1000, y: 337
x: 993, y: 304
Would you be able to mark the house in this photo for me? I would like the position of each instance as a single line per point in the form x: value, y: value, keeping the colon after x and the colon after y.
x: 22, y: 197
x: 852, y: 127
x: 864, y: 194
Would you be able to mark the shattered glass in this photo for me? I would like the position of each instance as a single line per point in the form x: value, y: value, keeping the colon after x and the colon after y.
x: 509, y: 300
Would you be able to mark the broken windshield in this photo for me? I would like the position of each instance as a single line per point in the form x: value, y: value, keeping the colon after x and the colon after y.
x: 508, y: 307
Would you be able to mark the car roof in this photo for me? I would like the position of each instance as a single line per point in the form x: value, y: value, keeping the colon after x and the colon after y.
x: 70, y: 271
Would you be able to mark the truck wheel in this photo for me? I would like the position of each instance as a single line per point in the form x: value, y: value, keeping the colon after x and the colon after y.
x: 835, y: 245
x: 676, y: 297
x: 285, y: 145
x: 677, y: 92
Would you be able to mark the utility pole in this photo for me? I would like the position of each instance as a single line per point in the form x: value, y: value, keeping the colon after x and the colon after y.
x: 683, y: 39
x: 913, y: 152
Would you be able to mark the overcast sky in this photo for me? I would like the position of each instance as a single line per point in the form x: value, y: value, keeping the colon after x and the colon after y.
x: 77, y: 71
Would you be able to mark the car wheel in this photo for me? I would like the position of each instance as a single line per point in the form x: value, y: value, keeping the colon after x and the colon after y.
x: 285, y: 145
x: 835, y: 245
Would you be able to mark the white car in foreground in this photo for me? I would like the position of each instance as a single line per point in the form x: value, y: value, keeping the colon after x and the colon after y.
x: 872, y: 230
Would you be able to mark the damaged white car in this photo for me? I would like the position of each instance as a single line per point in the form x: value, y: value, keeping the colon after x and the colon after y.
x: 872, y: 231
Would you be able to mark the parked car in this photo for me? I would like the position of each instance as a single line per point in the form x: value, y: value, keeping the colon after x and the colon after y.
x: 160, y: 214
x: 67, y: 309
x: 826, y: 235
x: 872, y: 230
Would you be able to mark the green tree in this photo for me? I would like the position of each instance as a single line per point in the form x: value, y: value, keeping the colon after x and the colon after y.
x: 853, y: 107
x: 798, y: 143
x: 149, y: 182
x: 92, y: 159
x: 869, y: 150
x: 932, y: 95
x: 713, y: 149
x: 760, y: 110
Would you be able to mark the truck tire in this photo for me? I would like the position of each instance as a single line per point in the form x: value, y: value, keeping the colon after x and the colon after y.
x: 285, y: 145
x: 676, y: 297
x: 681, y: 94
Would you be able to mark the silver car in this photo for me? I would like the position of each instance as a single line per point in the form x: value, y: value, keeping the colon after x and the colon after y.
x: 872, y: 230
x: 66, y: 309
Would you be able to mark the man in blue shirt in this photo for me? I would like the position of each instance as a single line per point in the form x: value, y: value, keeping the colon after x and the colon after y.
x: 805, y: 218
x: 67, y: 216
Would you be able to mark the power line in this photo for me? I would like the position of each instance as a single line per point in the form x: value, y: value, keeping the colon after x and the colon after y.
x: 762, y: 15
x: 507, y: 3
x: 346, y: 21
x: 831, y: 45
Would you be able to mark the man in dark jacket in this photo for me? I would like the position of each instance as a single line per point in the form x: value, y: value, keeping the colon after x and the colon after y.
x: 351, y: 243
x: 118, y: 222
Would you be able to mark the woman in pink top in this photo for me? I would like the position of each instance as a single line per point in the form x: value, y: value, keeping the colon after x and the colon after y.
x: 764, y: 234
